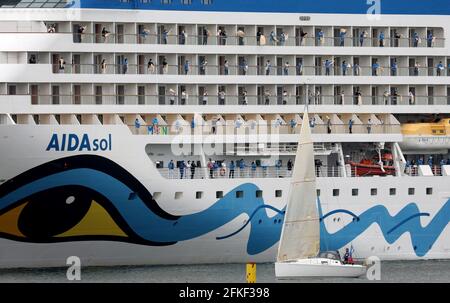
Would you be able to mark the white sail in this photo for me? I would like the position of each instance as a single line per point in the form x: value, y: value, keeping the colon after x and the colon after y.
x: 300, y: 237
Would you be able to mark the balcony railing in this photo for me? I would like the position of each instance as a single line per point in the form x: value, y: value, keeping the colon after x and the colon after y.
x: 231, y: 128
x: 247, y: 70
x: 223, y: 99
x: 249, y: 40
x: 224, y: 172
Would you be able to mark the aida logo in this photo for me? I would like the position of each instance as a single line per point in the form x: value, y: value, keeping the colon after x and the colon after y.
x: 73, y: 142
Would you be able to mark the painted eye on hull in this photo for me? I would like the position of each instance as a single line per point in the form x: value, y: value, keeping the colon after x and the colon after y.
x: 56, y: 214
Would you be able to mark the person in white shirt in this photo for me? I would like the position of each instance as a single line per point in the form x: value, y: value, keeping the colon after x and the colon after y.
x: 184, y: 97
x: 412, y: 98
x: 205, y: 97
x: 386, y: 97
x: 285, y: 97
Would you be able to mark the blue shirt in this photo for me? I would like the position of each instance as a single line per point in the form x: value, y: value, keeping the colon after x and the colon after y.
x: 328, y: 64
x: 171, y: 165
x: 137, y: 124
x: 382, y: 36
x: 320, y: 34
x: 192, y: 123
x: 155, y: 121
x: 186, y: 66
x: 232, y: 166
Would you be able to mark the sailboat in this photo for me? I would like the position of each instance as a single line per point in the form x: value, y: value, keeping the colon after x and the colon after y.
x: 299, y: 247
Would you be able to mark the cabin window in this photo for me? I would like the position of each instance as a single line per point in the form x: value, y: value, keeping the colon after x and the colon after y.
x: 411, y: 191
x: 259, y: 194
x: 188, y: 2
x: 240, y: 194
x: 278, y: 193
x: 318, y: 192
x: 355, y: 192
x: 178, y: 195
x: 166, y: 1
x: 219, y: 194
x: 335, y: 192
x: 198, y: 195
x: 373, y: 192
x: 156, y: 195
x: 392, y: 191
x: 429, y: 191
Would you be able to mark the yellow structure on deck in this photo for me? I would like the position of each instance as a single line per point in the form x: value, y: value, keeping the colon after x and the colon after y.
x: 441, y: 128
x: 251, y: 273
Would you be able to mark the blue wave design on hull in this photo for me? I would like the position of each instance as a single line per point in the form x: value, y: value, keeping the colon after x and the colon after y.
x: 392, y: 227
x: 264, y: 233
x: 264, y: 230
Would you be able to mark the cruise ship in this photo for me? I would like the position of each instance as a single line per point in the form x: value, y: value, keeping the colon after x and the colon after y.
x: 144, y: 132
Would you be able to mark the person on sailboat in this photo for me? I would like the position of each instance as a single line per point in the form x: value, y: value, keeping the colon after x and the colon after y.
x: 346, y: 256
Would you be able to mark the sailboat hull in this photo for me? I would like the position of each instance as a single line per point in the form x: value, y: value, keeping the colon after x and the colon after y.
x: 317, y: 267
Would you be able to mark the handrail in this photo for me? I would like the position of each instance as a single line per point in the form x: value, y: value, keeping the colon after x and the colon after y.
x: 214, y: 99
x: 194, y: 39
x: 247, y: 70
x: 262, y: 171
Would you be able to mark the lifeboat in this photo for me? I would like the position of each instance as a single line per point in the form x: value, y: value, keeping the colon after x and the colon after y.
x: 426, y: 136
x: 367, y: 167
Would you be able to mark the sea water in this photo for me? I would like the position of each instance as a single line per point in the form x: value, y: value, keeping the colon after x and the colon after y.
x: 391, y: 272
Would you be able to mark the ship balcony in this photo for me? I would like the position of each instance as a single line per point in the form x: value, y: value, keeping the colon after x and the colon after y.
x: 250, y: 70
x: 36, y: 73
x: 246, y: 173
x: 221, y: 103
x: 145, y: 38
x: 275, y: 172
x: 230, y: 129
x: 248, y: 40
x: 64, y: 42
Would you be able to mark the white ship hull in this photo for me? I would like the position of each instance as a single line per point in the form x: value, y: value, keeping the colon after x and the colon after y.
x: 207, y: 230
